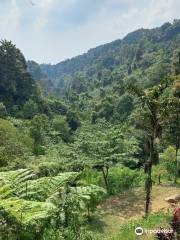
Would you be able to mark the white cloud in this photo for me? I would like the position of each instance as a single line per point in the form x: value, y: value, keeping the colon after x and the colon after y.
x: 161, y: 11
x: 113, y: 20
x: 44, y: 4
x: 48, y: 5
x: 9, y: 20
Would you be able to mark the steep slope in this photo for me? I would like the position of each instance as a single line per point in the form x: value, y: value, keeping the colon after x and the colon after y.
x: 93, y: 83
x: 143, y: 55
x: 41, y: 78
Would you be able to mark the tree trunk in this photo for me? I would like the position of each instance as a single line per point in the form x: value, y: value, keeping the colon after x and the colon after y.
x: 88, y: 212
x: 105, y: 176
x: 148, y: 182
x: 159, y: 178
x: 65, y: 207
x: 177, y: 148
x: 148, y: 189
x: 177, y: 166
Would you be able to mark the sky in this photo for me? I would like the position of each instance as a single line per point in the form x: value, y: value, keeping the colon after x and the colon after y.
x: 49, y: 31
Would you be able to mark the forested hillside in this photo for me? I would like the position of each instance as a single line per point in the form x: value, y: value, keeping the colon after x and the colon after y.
x: 95, y: 79
x: 143, y: 56
x: 92, y: 141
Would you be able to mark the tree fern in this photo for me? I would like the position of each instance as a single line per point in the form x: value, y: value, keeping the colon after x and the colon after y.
x: 11, y: 182
x: 29, y: 205
x: 27, y: 212
x: 21, y: 183
x: 42, y: 188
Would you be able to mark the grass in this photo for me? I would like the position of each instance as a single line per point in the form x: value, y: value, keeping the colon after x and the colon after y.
x: 127, y: 231
x: 153, y: 222
x: 118, y: 216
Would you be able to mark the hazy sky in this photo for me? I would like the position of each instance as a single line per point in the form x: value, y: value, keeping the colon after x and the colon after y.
x: 53, y: 30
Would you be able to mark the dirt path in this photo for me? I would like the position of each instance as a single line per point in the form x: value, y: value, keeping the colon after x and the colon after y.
x: 130, y: 205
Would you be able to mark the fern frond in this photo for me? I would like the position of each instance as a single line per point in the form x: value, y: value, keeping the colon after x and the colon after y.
x: 42, y: 188
x: 11, y: 182
x: 27, y: 212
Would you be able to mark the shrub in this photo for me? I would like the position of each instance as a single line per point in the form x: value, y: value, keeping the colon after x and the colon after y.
x: 3, y: 111
x: 159, y: 173
x: 61, y: 128
x: 13, y: 144
x: 127, y: 231
x: 90, y: 176
x: 121, y: 179
x: 175, y: 228
x: 30, y: 109
x: 169, y: 157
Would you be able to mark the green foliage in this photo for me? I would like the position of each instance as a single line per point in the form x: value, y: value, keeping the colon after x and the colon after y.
x: 150, y: 116
x: 45, y: 168
x: 14, y: 182
x: 124, y: 108
x: 113, y: 108
x: 154, y: 221
x: 23, y: 219
x: 61, y: 128
x: 38, y: 131
x: 176, y: 62
x: 82, y: 142
x: 30, y: 109
x: 147, y: 52
x: 90, y: 176
x: 16, y: 84
x: 68, y: 220
x: 3, y: 111
x: 27, y: 212
x: 35, y: 71
x: 169, y: 154
x: 73, y: 120
x: 169, y: 158
x: 121, y: 179
x: 53, y: 105
x: 159, y: 173
x: 104, y: 143
x: 42, y: 188
x: 31, y: 206
x: 92, y: 195
x: 13, y: 145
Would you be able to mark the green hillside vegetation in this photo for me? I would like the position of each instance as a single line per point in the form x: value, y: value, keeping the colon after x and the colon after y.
x: 90, y: 139
x: 143, y: 56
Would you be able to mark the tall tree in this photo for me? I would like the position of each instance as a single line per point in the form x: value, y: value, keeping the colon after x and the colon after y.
x: 149, y: 117
x: 39, y: 130
x: 103, y: 145
x: 172, y: 118
x: 16, y: 84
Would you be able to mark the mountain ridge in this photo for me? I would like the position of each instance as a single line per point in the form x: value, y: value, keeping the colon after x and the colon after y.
x: 123, y: 55
x: 106, y: 44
